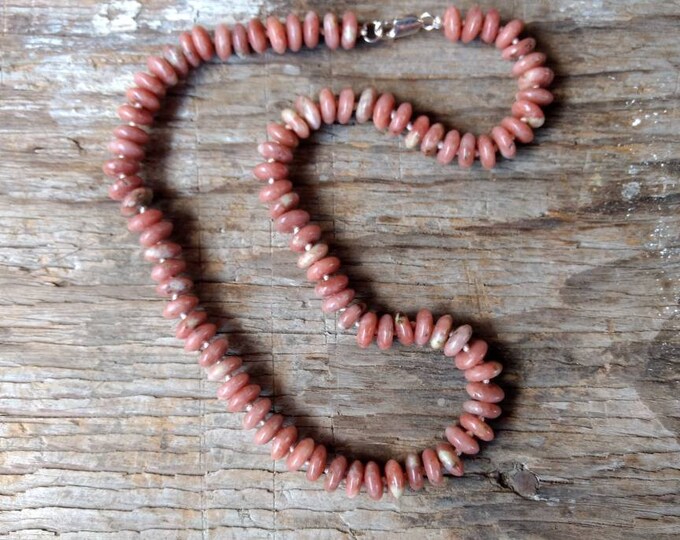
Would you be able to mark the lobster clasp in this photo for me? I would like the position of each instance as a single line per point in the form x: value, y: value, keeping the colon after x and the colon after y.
x: 408, y: 25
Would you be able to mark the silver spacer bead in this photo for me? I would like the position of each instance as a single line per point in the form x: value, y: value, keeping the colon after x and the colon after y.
x: 356, y: 324
x: 466, y: 348
x: 342, y: 310
x: 515, y: 41
x: 174, y: 296
x: 205, y: 345
x: 325, y: 471
x: 270, y: 181
x: 120, y: 156
x: 142, y: 209
x: 161, y: 260
x: 227, y: 377
x: 183, y: 315
x: 440, y: 145
x: 393, y: 114
x: 122, y: 176
x: 260, y: 423
x: 409, y: 126
x: 249, y: 407
x: 291, y: 449
x: 486, y: 381
x: 309, y: 246
x: 271, y: 160
x: 296, y: 230
x: 137, y: 105
x: 326, y: 277
x: 132, y: 124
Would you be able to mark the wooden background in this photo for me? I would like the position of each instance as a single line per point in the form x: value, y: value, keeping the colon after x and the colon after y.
x: 567, y: 259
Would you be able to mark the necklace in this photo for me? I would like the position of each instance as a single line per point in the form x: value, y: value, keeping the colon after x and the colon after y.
x: 298, y: 122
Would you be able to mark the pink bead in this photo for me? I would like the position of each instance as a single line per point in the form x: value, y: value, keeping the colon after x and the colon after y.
x: 466, y: 150
x: 168, y: 269
x: 452, y: 24
x: 135, y: 200
x: 508, y: 33
x: 240, y: 400
x: 134, y: 134
x: 150, y: 82
x: 487, y: 152
x: 257, y: 36
x: 183, y: 304
x: 418, y: 129
x: 202, y: 42
x: 402, y: 117
x: 449, y: 148
x: 474, y: 19
x: 457, y: 340
x: 267, y: 170
x: 522, y: 48
x: 350, y: 30
x: 174, y: 285
x: 260, y: 409
x: 233, y: 385
x: 123, y: 186
x: 433, y: 467
x: 449, y: 459
x: 367, y: 328
x: 432, y: 138
x: 275, y: 151
x: 336, y: 472
x: 265, y: 434
x: 351, y: 315
x: 324, y: 267
x: 317, y: 463
x: 354, y: 479
x: 365, y: 105
x: 440, y: 333
x: 337, y: 301
x: 309, y: 234
x: 141, y: 221
x: 480, y: 408
x: 239, y: 40
x: 530, y: 61
x: 403, y: 329
x: 483, y: 372
x: 128, y: 113
x: 294, y: 32
x: 282, y: 135
x: 477, y: 426
x: 528, y: 112
x: 415, y: 472
x: 126, y: 149
x: 283, y: 204
x: 394, y: 478
x: 216, y: 350
x: 223, y: 46
x: 162, y: 69
x: 309, y: 111
x: 473, y: 356
x: 503, y: 139
x: 327, y: 105
x: 282, y: 441
x: 309, y: 257
x: 276, y: 33
x: 345, y: 105
x: 286, y: 223
x: 141, y: 97
x: 463, y: 442
x: 189, y: 324
x: 295, y: 122
x: 373, y: 481
x: 540, y: 96
x: 117, y: 167
x: 424, y: 327
x: 219, y: 370
x: 385, y: 332
x: 492, y: 23
x: 310, y: 29
x: 162, y: 250
x: 300, y: 455
x: 538, y: 77
x: 176, y: 59
x: 490, y: 393
x: 331, y: 31
x: 155, y: 233
x: 198, y: 337
x: 518, y: 129
x: 382, y: 111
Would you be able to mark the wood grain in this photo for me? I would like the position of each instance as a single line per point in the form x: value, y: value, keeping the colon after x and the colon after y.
x: 566, y: 259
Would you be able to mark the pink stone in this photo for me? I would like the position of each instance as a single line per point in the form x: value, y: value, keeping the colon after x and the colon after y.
x: 484, y: 372
x: 521, y: 131
x: 382, y: 111
x: 277, y: 152
x: 440, y: 333
x: 466, y: 150
x: 239, y: 39
x: 327, y: 105
x: 463, y: 442
x: 373, y: 481
x: 189, y: 323
x: 117, y: 167
x: 492, y: 23
x: 394, y: 478
x: 474, y: 19
x: 365, y: 105
x: 276, y: 33
x: 487, y: 152
x: 333, y: 285
x: 477, y: 426
x: 403, y: 329
x: 142, y: 97
x: 457, y: 340
x: 286, y: 223
x: 176, y: 59
x: 418, y: 130
x: 282, y: 135
x: 402, y: 117
x: 282, y: 442
x: 240, y: 400
x: 219, y: 370
x: 123, y: 186
x: 204, y: 45
x: 199, y: 336
x: 354, y: 479
x: 452, y: 24
x: 415, y: 472
x: 309, y: 111
x: 530, y: 61
x: 294, y: 32
x: 449, y: 459
x: 472, y: 357
x: 310, y: 29
x: 162, y: 69
x: 538, y: 77
x: 309, y: 234
x: 324, y: 267
x: 162, y: 250
x: 336, y: 472
x: 508, y: 33
x: 506, y: 146
x: 265, y: 434
x: 259, y: 410
x: 141, y: 221
x: 167, y: 269
x: 489, y: 393
x: 267, y: 170
x: 317, y: 463
x: 481, y: 408
x: 539, y: 96
x: 424, y: 327
x: 228, y: 388
x: 213, y: 352
x: 271, y: 192
x: 155, y: 233
x: 345, y: 105
x: 350, y: 30
x: 183, y: 304
x: 131, y: 133
x: 449, y: 147
x: 331, y: 31
x: 351, y: 316
x: 315, y: 253
x: 223, y: 42
x: 528, y: 112
x: 150, y: 82
x: 300, y: 455
x: 522, y: 48
x: 189, y: 49
x: 128, y: 113
x: 337, y: 301
x: 433, y: 467
x: 283, y: 204
x: 367, y: 328
x: 293, y: 120
x: 257, y: 36
x: 385, y: 332
x: 174, y: 285
x: 432, y: 138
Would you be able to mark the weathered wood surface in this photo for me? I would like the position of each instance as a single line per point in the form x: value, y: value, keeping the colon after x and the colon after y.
x: 566, y: 259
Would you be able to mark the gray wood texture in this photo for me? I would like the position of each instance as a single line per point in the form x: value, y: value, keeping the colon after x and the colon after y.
x: 567, y: 259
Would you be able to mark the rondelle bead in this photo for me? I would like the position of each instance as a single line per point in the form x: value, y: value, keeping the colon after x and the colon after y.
x: 223, y: 44
x: 337, y: 301
x: 415, y: 472
x: 213, y: 352
x: 474, y: 20
x: 490, y: 393
x: 309, y: 111
x: 150, y: 82
x: 282, y: 135
x: 126, y: 149
x: 317, y: 463
x: 373, y: 481
x: 518, y: 129
x: 176, y: 59
x: 189, y: 324
x: 509, y: 33
x: 538, y: 77
x: 277, y: 152
x: 491, y: 26
x: 433, y: 467
x: 530, y: 61
x: 257, y: 35
x: 240, y: 400
x: 484, y: 372
x: 521, y: 48
x: 121, y: 187
x: 440, y: 333
x: 162, y: 69
x: 255, y: 415
x: 365, y: 105
x: 155, y: 233
x: 271, y: 192
x: 351, y: 315
x: 276, y: 33
x: 449, y: 459
x: 539, y: 96
x: 283, y: 204
x: 463, y: 442
x: 345, y: 105
x: 308, y: 258
x: 324, y: 267
x: 336, y: 472
x: 134, y: 134
x: 481, y: 408
x: 432, y: 138
x: 303, y: 450
x: 528, y: 112
x: 141, y: 221
x: 162, y: 250
x: 403, y: 329
x: 134, y: 200
x: 296, y: 123
x: 457, y: 340
x: 233, y: 385
x: 327, y: 105
x: 269, y: 429
x: 452, y: 24
x: 204, y: 45
x: 174, y: 285
x: 117, y: 167
x: 219, y: 370
x: 310, y: 29
x: 189, y: 51
x: 350, y: 30
x: 309, y: 234
x: 418, y: 130
x: 183, y: 304
x: 354, y: 479
x: 286, y: 223
x: 477, y: 426
x: 367, y: 328
x: 199, y: 336
x: 503, y: 139
x: 167, y: 269
x: 449, y: 147
x: 487, y: 152
x: 385, y: 332
x: 402, y: 117
x: 466, y: 150
x: 270, y: 169
x: 239, y: 40
x: 294, y: 32
x: 331, y: 31
x: 474, y: 355
x: 142, y: 97
x: 424, y: 327
x: 382, y: 111
x: 394, y: 478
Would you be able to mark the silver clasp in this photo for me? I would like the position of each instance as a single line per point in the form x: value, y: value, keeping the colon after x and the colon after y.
x: 408, y: 25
